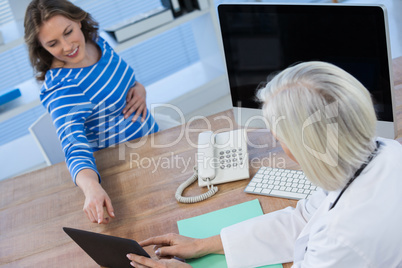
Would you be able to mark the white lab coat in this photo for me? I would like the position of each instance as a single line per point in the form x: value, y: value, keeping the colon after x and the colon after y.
x: 364, y: 229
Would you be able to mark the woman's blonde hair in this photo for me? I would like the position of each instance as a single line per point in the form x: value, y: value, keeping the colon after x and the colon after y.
x: 325, y: 117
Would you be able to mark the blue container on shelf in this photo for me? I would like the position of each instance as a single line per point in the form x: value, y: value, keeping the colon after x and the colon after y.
x: 9, y: 95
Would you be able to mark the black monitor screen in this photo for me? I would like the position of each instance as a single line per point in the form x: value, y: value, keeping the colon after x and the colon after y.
x: 261, y: 40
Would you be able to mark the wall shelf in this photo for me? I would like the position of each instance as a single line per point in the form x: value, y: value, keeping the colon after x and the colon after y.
x: 154, y: 32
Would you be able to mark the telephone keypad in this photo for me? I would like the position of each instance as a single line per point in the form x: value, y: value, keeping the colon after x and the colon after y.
x: 230, y: 158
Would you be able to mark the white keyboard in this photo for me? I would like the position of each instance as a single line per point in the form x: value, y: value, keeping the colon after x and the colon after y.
x: 285, y: 183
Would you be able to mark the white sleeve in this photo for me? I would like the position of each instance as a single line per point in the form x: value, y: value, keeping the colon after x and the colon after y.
x: 270, y: 238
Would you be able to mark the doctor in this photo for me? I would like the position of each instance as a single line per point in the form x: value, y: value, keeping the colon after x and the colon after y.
x: 325, y: 121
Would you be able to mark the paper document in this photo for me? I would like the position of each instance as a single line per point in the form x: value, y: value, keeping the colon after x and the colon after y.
x: 210, y: 224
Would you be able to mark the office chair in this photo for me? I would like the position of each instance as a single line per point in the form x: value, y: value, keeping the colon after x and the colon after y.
x: 44, y: 133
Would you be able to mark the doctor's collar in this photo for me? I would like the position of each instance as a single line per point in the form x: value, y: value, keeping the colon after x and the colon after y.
x: 357, y: 173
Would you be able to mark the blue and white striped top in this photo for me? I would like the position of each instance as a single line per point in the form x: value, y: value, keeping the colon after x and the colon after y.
x: 86, y: 107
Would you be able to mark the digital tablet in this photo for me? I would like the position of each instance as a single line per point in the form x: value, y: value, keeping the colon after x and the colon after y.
x: 105, y: 250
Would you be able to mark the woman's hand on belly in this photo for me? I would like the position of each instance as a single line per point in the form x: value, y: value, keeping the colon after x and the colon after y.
x: 136, y: 102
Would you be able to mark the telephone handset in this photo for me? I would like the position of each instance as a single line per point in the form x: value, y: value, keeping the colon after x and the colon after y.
x: 221, y: 158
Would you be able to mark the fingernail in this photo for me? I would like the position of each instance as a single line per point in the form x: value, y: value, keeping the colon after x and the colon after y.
x: 158, y: 252
x: 128, y: 256
x: 112, y: 214
x: 99, y: 221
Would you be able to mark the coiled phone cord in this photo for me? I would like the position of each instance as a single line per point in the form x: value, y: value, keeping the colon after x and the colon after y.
x: 193, y: 199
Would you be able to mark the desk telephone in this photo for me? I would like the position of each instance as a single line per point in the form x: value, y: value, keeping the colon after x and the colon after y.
x: 221, y: 158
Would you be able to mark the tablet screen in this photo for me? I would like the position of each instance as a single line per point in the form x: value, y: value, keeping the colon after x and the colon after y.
x: 105, y: 250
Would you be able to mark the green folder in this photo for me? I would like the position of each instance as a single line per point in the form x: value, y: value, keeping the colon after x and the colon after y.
x: 210, y: 224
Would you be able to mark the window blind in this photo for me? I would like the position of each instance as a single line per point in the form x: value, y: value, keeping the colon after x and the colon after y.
x: 5, y: 12
x: 17, y: 126
x: 162, y: 55
x: 15, y: 67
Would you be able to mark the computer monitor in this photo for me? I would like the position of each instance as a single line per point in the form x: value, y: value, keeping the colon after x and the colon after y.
x: 262, y: 39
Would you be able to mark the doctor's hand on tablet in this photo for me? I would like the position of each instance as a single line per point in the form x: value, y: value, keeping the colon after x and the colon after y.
x: 173, y: 245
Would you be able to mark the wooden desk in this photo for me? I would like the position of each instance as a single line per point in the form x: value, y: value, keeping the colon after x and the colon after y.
x: 34, y: 207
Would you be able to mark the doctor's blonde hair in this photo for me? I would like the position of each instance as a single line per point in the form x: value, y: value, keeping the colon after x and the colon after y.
x: 325, y: 117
